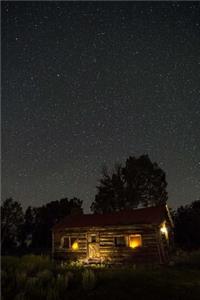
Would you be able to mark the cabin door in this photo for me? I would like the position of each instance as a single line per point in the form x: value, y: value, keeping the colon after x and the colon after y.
x: 93, y: 245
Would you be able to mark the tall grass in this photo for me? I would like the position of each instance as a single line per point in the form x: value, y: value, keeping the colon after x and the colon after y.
x: 33, y: 278
x: 88, y: 280
x: 38, y: 278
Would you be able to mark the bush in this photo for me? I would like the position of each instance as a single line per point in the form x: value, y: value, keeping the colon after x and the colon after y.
x: 45, y: 276
x: 35, y: 263
x: 21, y: 279
x: 10, y: 264
x: 88, y: 280
x: 73, y: 265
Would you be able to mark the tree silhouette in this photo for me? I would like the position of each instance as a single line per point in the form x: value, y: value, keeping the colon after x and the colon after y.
x: 28, y: 228
x: 39, y: 221
x: 31, y: 232
x: 145, y: 182
x: 187, y: 226
x: 110, y: 196
x: 139, y: 182
x: 12, y: 219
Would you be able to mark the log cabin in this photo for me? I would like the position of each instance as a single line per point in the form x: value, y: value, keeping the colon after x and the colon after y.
x: 134, y: 236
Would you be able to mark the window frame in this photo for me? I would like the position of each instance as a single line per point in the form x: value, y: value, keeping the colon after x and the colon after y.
x: 93, y: 236
x: 135, y: 235
x: 90, y: 236
x: 120, y: 245
x: 69, y: 242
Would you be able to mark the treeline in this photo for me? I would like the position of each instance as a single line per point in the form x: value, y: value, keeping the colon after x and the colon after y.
x: 139, y: 182
x: 30, y: 231
x: 187, y: 226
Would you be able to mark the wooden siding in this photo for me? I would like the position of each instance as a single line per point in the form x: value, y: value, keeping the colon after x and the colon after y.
x: 153, y: 248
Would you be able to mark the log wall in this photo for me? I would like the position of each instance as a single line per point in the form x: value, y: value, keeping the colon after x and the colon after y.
x: 152, y: 249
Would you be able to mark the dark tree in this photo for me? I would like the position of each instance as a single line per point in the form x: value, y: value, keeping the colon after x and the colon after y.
x: 28, y: 228
x: 12, y: 219
x: 139, y: 182
x: 110, y: 196
x: 145, y: 182
x: 43, y: 219
x: 187, y: 226
x: 31, y: 232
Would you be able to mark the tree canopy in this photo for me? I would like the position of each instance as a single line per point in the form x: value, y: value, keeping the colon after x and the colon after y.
x: 187, y: 226
x: 47, y: 215
x: 139, y: 182
x: 31, y: 231
x: 12, y: 219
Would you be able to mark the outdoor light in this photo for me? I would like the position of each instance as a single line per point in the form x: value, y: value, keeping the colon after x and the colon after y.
x: 164, y: 230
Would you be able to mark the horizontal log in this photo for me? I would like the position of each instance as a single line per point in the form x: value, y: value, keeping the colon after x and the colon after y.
x: 124, y: 231
x: 103, y: 228
x: 128, y: 255
x: 81, y: 237
x: 106, y: 234
x: 128, y: 251
x: 106, y: 245
x: 107, y: 238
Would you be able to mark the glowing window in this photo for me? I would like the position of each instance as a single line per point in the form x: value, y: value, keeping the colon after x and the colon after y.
x: 120, y: 241
x: 135, y: 240
x: 69, y: 243
x: 74, y: 244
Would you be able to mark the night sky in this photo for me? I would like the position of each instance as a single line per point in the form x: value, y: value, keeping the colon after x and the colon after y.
x: 88, y: 84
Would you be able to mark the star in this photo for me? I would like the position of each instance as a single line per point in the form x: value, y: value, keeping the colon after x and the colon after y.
x: 89, y: 85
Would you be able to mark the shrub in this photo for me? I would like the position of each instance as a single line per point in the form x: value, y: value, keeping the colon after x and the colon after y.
x: 88, y: 280
x: 73, y: 265
x: 21, y: 279
x: 10, y: 264
x: 45, y: 276
x: 35, y: 263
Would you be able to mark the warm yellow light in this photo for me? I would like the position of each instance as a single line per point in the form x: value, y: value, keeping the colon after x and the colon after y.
x: 75, y: 246
x: 164, y: 230
x: 135, y: 241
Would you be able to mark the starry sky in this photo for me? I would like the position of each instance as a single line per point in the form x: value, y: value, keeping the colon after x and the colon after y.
x: 88, y: 84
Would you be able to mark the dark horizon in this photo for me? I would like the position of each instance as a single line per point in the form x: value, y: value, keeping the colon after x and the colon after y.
x: 90, y: 84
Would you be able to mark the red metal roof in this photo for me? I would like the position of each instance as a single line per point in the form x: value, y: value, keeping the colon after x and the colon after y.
x: 149, y: 215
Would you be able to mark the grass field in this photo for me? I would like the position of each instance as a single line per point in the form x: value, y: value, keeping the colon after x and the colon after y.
x: 38, y: 278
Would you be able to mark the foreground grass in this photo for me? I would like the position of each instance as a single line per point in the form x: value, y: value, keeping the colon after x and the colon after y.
x: 36, y: 277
